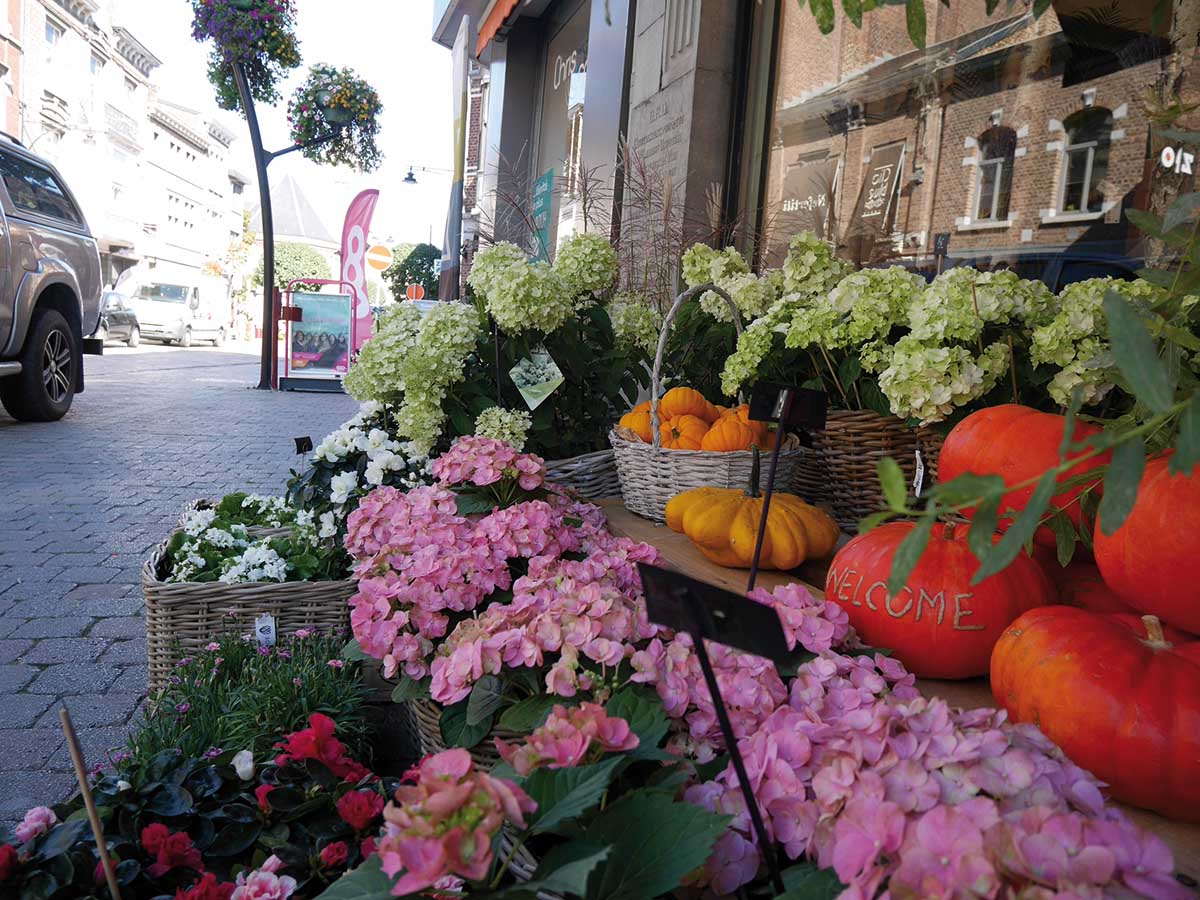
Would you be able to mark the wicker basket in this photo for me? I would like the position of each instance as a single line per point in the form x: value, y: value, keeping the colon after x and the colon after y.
x: 181, y: 617
x: 254, y: 531
x: 650, y: 475
x: 593, y: 475
x: 840, y: 471
x: 429, y: 725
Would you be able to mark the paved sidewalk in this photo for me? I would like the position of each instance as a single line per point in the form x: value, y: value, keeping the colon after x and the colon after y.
x: 82, y: 502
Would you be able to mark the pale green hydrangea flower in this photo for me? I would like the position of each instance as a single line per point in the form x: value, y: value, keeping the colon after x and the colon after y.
x: 753, y: 346
x: 509, y: 425
x: 751, y: 295
x: 928, y: 383
x: 959, y: 303
x: 810, y: 266
x: 587, y: 266
x: 635, y: 322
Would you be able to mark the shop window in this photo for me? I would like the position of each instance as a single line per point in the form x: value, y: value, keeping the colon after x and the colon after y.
x: 1085, y: 159
x: 996, y: 148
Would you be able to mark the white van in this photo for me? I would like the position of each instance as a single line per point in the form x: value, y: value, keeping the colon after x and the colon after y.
x: 179, y: 312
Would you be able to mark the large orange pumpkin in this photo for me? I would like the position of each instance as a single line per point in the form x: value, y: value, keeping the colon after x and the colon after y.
x: 730, y: 433
x: 939, y: 625
x: 1153, y: 560
x: 1120, y: 696
x: 685, y: 401
x: 1017, y: 443
x: 683, y: 433
x: 638, y: 422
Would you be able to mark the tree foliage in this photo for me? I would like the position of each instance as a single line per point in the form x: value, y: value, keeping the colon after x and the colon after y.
x: 414, y: 265
x: 293, y: 261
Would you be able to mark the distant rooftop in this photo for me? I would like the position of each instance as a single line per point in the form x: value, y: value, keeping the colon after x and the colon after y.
x: 295, y: 217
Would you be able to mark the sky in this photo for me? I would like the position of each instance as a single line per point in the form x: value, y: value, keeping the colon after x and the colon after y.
x: 388, y: 42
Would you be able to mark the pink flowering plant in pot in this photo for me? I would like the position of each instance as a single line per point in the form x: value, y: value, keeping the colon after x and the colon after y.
x: 258, y: 34
x: 334, y: 115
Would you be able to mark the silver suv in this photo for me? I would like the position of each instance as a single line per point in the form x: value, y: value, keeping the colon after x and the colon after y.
x: 50, y: 288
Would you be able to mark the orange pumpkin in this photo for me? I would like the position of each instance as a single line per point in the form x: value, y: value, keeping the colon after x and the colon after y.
x: 729, y: 433
x: 644, y: 406
x: 638, y: 422
x: 683, y: 432
x: 761, y: 429
x: 1119, y: 694
x: 685, y: 401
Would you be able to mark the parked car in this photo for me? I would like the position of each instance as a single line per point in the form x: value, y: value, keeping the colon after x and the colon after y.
x: 50, y: 288
x: 1055, y: 268
x: 118, y: 321
x: 178, y: 313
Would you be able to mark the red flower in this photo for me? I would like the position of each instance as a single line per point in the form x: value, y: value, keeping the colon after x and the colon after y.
x: 260, y: 793
x: 170, y: 851
x: 317, y: 742
x: 207, y: 888
x: 369, y: 847
x: 335, y: 854
x: 8, y: 861
x: 359, y: 809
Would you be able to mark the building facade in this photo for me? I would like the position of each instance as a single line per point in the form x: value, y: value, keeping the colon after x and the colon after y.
x: 1010, y: 140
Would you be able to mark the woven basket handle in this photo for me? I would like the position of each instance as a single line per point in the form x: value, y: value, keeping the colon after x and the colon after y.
x: 656, y: 375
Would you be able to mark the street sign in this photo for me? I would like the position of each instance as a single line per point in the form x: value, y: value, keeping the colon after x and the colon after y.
x: 380, y: 258
x: 415, y: 292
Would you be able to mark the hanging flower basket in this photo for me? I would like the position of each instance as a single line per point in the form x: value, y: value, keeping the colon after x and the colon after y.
x: 258, y: 34
x: 336, y: 114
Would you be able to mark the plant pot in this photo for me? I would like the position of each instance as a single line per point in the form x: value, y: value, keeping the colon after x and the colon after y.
x: 245, y: 5
x: 592, y: 475
x: 429, y: 718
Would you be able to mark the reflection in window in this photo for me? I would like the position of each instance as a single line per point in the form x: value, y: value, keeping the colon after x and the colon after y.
x: 1085, y: 160
x: 35, y: 190
x: 996, y: 148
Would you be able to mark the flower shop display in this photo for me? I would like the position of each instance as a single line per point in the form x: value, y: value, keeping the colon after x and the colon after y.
x: 260, y: 35
x: 1016, y: 442
x: 213, y: 827
x: 659, y: 447
x: 723, y: 524
x: 212, y: 575
x: 1151, y: 560
x: 940, y: 623
x: 334, y: 116
x: 1117, y: 693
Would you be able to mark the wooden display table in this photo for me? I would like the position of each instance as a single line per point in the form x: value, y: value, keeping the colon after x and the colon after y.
x: 679, y: 553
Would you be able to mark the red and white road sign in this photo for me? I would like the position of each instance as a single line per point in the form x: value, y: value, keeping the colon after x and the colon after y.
x: 415, y: 292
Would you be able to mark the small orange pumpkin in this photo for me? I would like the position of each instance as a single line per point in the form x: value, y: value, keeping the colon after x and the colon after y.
x: 638, y: 422
x: 683, y: 432
x: 761, y: 429
x: 644, y: 406
x: 685, y: 401
x: 729, y: 433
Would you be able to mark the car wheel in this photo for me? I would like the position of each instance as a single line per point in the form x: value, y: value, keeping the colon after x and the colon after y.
x: 135, y: 336
x: 46, y: 386
x: 219, y: 340
x: 102, y: 334
x: 186, y: 340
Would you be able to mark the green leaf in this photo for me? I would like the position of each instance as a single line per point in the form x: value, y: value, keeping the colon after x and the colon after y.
x: 1145, y: 221
x: 471, y: 504
x: 566, y: 868
x: 981, y: 536
x: 528, y: 714
x: 643, y: 710
x: 655, y: 842
x: 410, y: 689
x: 914, y: 11
x: 39, y: 886
x: 234, y: 838
x: 1176, y: 134
x: 485, y: 698
x: 804, y: 881
x: 1004, y: 551
x: 1183, y: 209
x: 1121, y: 483
x: 367, y: 882
x: 1187, y: 445
x: 823, y: 10
x: 352, y: 652
x: 991, y: 5
x: 908, y: 554
x: 970, y: 488
x: 455, y: 730
x: 891, y: 478
x: 1064, y: 446
x: 873, y: 521
x: 562, y: 795
x: 170, y: 800
x: 1065, y: 536
x: 1135, y: 354
x: 1039, y: 7
x: 61, y: 839
x: 1180, y: 336
x: 854, y: 11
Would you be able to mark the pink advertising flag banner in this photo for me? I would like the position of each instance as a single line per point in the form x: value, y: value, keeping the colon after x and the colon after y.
x: 355, y: 244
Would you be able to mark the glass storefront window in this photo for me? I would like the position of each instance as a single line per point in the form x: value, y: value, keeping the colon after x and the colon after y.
x: 1011, y: 139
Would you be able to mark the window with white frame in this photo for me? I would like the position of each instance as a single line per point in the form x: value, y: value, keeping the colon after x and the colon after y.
x: 54, y: 33
x: 997, y: 147
x: 1085, y: 160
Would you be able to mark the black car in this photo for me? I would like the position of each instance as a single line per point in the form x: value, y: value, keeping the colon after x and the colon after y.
x: 118, y: 321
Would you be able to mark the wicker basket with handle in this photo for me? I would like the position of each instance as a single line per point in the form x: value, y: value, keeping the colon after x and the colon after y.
x: 840, y: 471
x: 652, y: 475
x: 181, y: 617
x: 592, y: 475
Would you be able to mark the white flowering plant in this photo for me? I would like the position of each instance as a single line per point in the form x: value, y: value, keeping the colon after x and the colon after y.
x: 363, y: 454
x: 508, y: 425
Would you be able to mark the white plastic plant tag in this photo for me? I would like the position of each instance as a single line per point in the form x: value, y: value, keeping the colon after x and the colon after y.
x: 919, y: 476
x: 264, y: 630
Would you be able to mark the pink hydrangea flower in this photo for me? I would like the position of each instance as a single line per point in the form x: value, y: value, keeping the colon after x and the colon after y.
x: 483, y: 461
x: 569, y: 737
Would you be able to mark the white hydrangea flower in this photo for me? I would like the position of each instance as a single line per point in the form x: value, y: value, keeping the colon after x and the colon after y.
x: 511, y: 426
x: 342, y: 485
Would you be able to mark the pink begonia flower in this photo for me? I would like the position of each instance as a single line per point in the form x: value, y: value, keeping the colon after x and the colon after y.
x: 264, y: 883
x: 37, y: 822
x: 567, y: 737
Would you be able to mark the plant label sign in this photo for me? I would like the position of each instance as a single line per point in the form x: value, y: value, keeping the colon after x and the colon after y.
x: 795, y: 409
x: 536, y: 377
x: 264, y: 630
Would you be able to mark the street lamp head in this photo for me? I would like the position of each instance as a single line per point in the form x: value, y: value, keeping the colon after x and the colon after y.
x: 410, y: 178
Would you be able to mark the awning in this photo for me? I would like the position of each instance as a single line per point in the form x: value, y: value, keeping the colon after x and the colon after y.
x: 493, y: 23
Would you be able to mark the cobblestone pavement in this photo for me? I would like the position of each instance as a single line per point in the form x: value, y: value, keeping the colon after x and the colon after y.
x: 82, y: 502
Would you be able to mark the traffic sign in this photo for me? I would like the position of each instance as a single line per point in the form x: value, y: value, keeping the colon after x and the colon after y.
x: 415, y: 292
x: 380, y: 258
